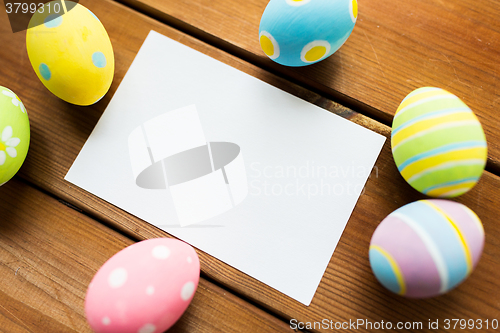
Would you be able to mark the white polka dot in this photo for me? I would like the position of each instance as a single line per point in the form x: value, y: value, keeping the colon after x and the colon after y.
x: 148, y: 328
x: 304, y: 54
x: 187, y: 291
x: 353, y: 10
x: 150, y: 290
x: 272, y: 52
x: 106, y: 321
x: 189, y: 260
x: 117, y: 278
x: 161, y: 252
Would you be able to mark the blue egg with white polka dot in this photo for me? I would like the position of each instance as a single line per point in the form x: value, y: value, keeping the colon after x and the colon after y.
x: 303, y: 32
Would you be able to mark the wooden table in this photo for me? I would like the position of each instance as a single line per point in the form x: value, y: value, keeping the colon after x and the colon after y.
x: 55, y: 236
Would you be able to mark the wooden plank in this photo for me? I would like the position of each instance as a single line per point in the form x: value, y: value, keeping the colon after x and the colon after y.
x: 49, y: 254
x: 394, y: 49
x: 348, y: 289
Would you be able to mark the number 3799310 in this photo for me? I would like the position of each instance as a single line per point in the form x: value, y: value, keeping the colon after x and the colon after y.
x: 470, y: 324
x: 23, y: 7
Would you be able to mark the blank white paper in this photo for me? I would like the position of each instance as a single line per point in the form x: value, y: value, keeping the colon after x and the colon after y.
x: 256, y: 177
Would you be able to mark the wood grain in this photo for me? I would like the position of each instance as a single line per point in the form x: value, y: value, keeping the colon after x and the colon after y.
x: 348, y: 289
x: 49, y: 254
x: 395, y: 48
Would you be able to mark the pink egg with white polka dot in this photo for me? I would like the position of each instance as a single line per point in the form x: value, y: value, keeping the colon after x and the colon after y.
x: 145, y: 288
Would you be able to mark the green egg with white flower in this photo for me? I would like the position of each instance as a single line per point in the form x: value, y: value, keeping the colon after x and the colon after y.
x: 14, y: 134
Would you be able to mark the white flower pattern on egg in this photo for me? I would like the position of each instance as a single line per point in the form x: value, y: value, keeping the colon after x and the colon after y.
x: 15, y: 100
x: 8, y: 144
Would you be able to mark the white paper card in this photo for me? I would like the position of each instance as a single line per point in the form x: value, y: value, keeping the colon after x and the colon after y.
x: 252, y: 175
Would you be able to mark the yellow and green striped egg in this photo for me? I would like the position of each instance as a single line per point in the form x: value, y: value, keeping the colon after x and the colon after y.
x: 438, y: 143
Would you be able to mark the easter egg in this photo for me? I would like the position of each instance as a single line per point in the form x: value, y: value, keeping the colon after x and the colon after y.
x: 426, y: 248
x: 71, y: 53
x: 145, y: 287
x: 438, y: 143
x: 303, y: 32
x: 14, y: 134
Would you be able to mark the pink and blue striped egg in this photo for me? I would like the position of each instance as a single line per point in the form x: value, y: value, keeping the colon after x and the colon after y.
x: 426, y: 248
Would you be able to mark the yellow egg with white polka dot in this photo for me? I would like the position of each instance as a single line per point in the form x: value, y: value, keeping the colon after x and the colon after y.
x: 70, y: 52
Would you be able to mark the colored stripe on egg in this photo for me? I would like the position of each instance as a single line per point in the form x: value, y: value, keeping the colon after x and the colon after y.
x: 451, y: 188
x: 469, y: 225
x: 431, y: 246
x: 443, y: 233
x: 473, y: 216
x: 468, y: 257
x: 431, y: 115
x: 394, y: 267
x: 406, y: 107
x: 429, y: 123
x: 444, y: 166
x: 435, y: 128
x: 442, y: 150
x: 418, y: 92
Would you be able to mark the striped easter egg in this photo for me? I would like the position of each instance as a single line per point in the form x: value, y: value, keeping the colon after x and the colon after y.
x: 426, y: 248
x: 438, y: 143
